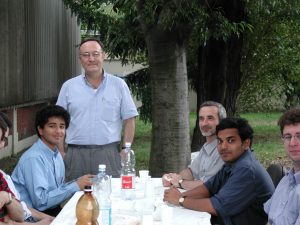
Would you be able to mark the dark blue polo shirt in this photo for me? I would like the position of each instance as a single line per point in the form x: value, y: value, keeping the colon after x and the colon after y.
x: 239, y: 190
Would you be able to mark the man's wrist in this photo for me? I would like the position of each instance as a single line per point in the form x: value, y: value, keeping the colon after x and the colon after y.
x: 181, y: 200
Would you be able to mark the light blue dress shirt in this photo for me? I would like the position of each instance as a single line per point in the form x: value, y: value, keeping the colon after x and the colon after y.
x: 96, y: 114
x: 283, y: 208
x: 39, y: 177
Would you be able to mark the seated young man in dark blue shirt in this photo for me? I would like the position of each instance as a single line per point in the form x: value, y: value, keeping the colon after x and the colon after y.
x: 236, y: 194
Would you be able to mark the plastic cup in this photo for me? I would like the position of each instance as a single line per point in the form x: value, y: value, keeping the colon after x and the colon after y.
x: 144, y: 174
x: 149, y: 189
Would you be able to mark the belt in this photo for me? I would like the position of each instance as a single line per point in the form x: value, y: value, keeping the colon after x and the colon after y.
x: 83, y: 146
x: 91, y: 146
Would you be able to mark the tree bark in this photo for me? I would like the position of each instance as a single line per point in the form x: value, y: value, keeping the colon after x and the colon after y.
x: 219, y: 75
x: 170, y: 145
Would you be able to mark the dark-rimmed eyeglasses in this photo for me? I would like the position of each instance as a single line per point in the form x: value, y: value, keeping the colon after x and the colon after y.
x: 287, y: 137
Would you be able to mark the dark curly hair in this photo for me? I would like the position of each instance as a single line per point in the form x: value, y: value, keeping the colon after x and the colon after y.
x: 242, y: 125
x: 43, y: 116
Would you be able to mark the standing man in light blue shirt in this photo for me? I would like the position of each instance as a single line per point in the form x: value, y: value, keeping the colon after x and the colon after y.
x: 100, y: 105
x: 39, y: 174
x: 283, y: 208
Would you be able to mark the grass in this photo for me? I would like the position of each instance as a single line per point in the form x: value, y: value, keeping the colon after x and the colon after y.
x: 142, y: 144
x: 267, y: 143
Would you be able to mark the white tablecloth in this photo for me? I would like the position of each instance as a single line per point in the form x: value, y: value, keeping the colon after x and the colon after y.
x: 140, y: 208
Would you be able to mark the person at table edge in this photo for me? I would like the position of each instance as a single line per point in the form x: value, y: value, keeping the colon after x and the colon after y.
x: 283, y: 208
x: 30, y: 215
x: 236, y: 194
x: 40, y: 173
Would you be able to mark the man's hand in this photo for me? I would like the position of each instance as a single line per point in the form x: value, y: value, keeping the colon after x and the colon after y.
x: 172, y: 196
x: 166, y: 180
x: 171, y: 179
x: 85, y: 180
x: 175, y: 179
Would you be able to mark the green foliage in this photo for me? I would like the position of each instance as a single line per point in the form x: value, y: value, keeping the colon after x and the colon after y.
x: 271, y: 68
x: 267, y: 144
x: 214, y: 24
x: 271, y: 56
x: 119, y: 31
x: 124, y: 24
x: 139, y: 84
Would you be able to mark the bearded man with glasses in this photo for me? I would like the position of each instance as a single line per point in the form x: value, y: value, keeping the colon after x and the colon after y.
x: 284, y: 206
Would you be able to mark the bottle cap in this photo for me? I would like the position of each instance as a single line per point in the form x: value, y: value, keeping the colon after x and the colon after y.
x: 88, y: 188
x: 102, y: 166
x: 127, y: 144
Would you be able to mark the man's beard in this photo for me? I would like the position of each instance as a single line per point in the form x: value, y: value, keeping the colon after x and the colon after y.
x: 208, y: 133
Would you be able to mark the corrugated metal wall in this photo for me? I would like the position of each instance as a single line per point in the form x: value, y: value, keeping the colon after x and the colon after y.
x: 37, y: 50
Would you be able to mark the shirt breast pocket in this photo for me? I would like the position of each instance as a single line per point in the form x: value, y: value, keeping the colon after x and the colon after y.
x: 110, y: 110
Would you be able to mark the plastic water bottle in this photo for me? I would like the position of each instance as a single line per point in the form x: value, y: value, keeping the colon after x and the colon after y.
x: 128, y: 173
x: 87, y: 208
x: 102, y: 192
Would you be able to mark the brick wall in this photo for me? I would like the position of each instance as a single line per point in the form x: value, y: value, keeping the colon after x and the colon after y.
x: 22, y: 135
x: 25, y: 120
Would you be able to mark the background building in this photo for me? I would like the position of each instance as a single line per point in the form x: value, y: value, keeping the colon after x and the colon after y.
x: 38, y: 52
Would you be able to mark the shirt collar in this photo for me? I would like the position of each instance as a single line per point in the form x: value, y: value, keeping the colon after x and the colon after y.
x: 294, y: 178
x: 239, y: 160
x: 227, y: 168
x: 46, y: 150
x: 210, y: 147
x: 87, y: 82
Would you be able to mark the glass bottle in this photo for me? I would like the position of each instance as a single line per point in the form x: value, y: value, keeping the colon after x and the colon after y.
x: 87, y: 208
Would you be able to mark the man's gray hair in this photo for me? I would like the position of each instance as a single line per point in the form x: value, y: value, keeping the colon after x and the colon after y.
x: 221, y: 110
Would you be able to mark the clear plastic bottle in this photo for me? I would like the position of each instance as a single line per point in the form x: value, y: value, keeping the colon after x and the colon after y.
x: 87, y: 208
x: 102, y: 191
x: 128, y: 173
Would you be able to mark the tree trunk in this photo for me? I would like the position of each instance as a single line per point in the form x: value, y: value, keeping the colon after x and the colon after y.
x: 219, y: 75
x: 170, y: 145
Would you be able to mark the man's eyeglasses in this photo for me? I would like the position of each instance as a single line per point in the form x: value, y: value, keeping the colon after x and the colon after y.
x: 89, y: 54
x: 287, y: 137
x: 5, y: 140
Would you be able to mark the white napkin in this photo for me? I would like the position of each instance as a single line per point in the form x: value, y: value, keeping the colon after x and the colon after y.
x: 123, y: 205
x: 144, y: 206
x: 120, y: 219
